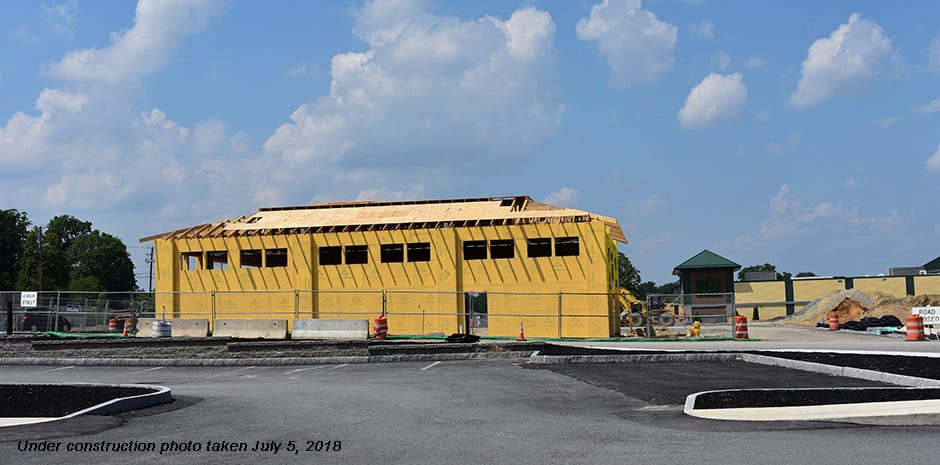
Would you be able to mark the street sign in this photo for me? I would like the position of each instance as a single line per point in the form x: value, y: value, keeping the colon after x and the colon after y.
x: 931, y: 314
x: 28, y: 299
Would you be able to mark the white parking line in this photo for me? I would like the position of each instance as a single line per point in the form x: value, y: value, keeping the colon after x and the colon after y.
x: 54, y: 369
x: 229, y: 372
x: 431, y: 366
x: 143, y: 371
x: 338, y: 366
x: 298, y: 370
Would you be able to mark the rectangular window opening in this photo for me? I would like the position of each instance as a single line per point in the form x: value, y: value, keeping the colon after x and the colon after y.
x: 502, y: 248
x: 217, y: 260
x: 419, y: 252
x: 192, y: 260
x: 357, y: 254
x: 393, y: 253
x: 474, y: 250
x: 331, y: 255
x: 275, y: 258
x: 250, y: 258
x: 567, y: 247
x: 540, y: 247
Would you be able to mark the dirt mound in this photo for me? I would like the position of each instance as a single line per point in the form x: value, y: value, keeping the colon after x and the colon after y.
x: 853, y: 305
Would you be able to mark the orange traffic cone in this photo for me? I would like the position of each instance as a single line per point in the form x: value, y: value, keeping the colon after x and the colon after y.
x: 127, y: 327
x: 521, y: 332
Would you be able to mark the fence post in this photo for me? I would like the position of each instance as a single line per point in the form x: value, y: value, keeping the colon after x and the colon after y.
x: 212, y: 305
x: 8, y: 309
x: 384, y: 302
x: 296, y: 303
x: 559, y: 314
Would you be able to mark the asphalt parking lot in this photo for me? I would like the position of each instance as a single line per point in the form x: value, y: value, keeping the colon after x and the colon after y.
x: 445, y: 412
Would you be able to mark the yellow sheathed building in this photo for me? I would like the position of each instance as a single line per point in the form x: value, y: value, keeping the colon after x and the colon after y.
x: 435, y: 266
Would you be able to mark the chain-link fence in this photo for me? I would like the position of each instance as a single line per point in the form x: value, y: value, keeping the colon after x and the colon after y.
x: 72, y: 311
x: 409, y: 312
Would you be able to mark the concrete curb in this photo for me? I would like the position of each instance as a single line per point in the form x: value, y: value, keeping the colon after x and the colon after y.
x: 273, y: 361
x: 160, y: 395
x: 123, y: 404
x: 634, y: 358
x: 824, y: 412
x: 847, y: 372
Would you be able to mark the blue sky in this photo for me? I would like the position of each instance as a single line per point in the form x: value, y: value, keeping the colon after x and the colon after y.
x: 805, y: 134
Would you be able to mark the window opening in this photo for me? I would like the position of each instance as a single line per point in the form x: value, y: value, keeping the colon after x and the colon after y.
x: 192, y: 260
x: 250, y: 258
x: 540, y: 247
x: 357, y: 254
x: 217, y: 260
x: 419, y: 252
x: 567, y: 247
x: 331, y: 255
x: 274, y: 258
x: 474, y: 250
x: 502, y: 248
x: 392, y: 253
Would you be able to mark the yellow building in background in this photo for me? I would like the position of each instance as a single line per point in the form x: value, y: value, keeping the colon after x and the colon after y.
x: 435, y: 266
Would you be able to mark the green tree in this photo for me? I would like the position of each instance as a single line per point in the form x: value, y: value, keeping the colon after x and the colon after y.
x: 103, y: 257
x: 780, y: 276
x: 646, y: 288
x: 14, y: 227
x: 805, y: 274
x: 628, y: 277
x: 674, y: 287
x: 55, y: 268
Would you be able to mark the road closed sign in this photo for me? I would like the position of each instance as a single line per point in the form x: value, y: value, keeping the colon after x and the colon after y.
x: 28, y: 299
x: 931, y: 314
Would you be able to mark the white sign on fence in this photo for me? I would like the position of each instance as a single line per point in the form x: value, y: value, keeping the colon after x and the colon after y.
x: 931, y: 314
x: 28, y: 299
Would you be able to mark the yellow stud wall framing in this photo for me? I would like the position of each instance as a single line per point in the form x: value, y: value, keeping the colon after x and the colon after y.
x: 894, y: 285
x: 423, y: 297
x: 746, y: 293
x: 927, y: 284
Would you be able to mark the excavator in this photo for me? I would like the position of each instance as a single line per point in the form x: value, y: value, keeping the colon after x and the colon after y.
x: 634, y: 312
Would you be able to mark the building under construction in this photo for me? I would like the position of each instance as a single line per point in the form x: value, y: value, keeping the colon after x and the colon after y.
x: 421, y: 260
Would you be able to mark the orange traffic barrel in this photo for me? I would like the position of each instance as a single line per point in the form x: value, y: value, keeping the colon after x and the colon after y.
x: 740, y: 327
x: 112, y: 325
x: 915, y: 328
x: 380, y: 327
x: 833, y: 321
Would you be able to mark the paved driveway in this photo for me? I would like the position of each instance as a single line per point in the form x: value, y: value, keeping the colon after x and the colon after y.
x: 442, y: 412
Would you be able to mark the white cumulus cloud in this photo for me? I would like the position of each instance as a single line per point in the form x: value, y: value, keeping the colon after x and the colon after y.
x: 638, y: 47
x: 565, y: 197
x: 933, y: 163
x: 716, y: 98
x: 852, y: 56
x: 932, y: 107
x: 159, y: 26
x: 754, y: 63
x: 933, y: 55
x: 704, y: 29
x: 90, y: 147
x: 431, y: 94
